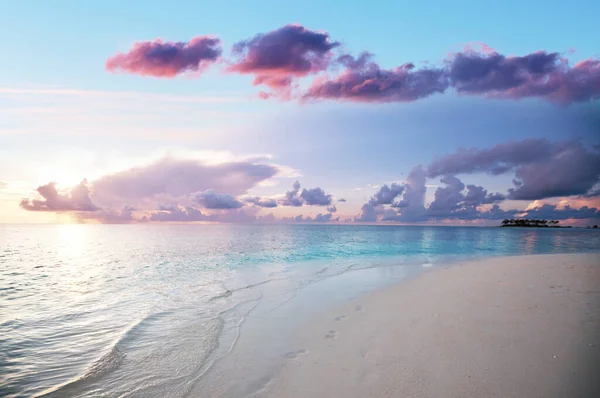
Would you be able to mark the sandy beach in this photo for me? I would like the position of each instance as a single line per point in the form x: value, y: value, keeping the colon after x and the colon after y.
x: 523, y: 326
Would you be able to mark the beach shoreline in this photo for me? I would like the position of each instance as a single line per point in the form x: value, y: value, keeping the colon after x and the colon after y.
x: 524, y: 326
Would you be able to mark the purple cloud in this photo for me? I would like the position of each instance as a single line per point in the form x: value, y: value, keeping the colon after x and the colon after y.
x: 170, y: 179
x: 451, y: 201
x: 292, y: 198
x: 261, y: 202
x: 177, y: 214
x: 192, y: 214
x: 342, y: 200
x: 323, y: 218
x: 540, y: 74
x: 411, y: 206
x: 543, y: 169
x: 311, y: 197
x: 109, y: 216
x: 332, y: 209
x: 552, y: 212
x: 278, y: 57
x: 386, y: 195
x: 77, y: 199
x: 365, y: 81
x: 210, y: 199
x: 454, y: 200
x: 167, y: 59
x: 490, y: 74
x: 315, y: 197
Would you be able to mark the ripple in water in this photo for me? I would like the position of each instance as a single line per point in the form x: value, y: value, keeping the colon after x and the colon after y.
x: 176, y: 310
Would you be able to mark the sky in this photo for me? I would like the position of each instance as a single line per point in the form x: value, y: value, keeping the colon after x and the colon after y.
x: 314, y: 112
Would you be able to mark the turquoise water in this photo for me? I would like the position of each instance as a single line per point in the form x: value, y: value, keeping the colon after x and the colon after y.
x: 197, y: 310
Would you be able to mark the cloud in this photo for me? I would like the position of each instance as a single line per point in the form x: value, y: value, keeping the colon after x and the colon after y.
x: 292, y: 198
x: 542, y: 169
x: 342, y: 200
x: 311, y: 197
x: 177, y: 214
x: 452, y: 201
x: 553, y: 212
x: 192, y: 214
x: 278, y: 57
x: 77, y: 199
x: 411, y: 203
x: 386, y: 195
x: 332, y: 209
x: 261, y: 202
x: 210, y: 199
x: 487, y: 73
x: 109, y: 216
x: 174, y: 186
x: 369, y: 213
x: 315, y: 197
x: 169, y: 179
x: 539, y: 74
x: 322, y: 218
x: 365, y: 81
x: 167, y: 59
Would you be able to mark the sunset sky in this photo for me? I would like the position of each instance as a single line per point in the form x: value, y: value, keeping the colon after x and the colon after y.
x: 410, y: 112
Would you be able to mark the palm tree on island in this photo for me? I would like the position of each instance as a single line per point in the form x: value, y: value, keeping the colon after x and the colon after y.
x: 530, y: 223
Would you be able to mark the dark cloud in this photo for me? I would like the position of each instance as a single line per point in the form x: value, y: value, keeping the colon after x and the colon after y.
x: 452, y: 201
x: 315, y: 197
x: 553, y: 212
x: 311, y: 197
x: 365, y: 81
x: 171, y: 179
x: 332, y: 209
x: 77, y: 199
x: 540, y: 74
x: 278, y: 57
x: 292, y: 198
x: 167, y: 59
x: 341, y: 200
x: 490, y: 74
x: 386, y: 194
x: 261, y: 202
x: 210, y: 199
x: 543, y: 169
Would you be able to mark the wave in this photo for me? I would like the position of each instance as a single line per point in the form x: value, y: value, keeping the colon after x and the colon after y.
x: 229, y: 292
x: 105, y: 364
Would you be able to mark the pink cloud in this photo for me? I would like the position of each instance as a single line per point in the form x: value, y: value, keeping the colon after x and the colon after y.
x: 76, y: 199
x: 479, y: 70
x: 365, y: 81
x: 167, y: 59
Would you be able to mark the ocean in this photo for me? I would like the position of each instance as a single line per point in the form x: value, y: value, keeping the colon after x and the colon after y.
x: 202, y: 310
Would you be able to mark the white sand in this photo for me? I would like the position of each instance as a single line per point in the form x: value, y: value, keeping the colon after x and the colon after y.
x: 508, y: 327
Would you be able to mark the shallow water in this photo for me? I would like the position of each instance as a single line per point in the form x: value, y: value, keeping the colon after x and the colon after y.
x: 198, y: 310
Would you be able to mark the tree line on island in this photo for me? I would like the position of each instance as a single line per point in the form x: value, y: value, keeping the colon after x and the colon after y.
x: 526, y: 222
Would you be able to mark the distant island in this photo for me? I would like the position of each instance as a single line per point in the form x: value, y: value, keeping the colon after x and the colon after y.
x: 531, y: 223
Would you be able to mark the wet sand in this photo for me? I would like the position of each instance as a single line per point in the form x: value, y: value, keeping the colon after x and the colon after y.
x: 524, y: 326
